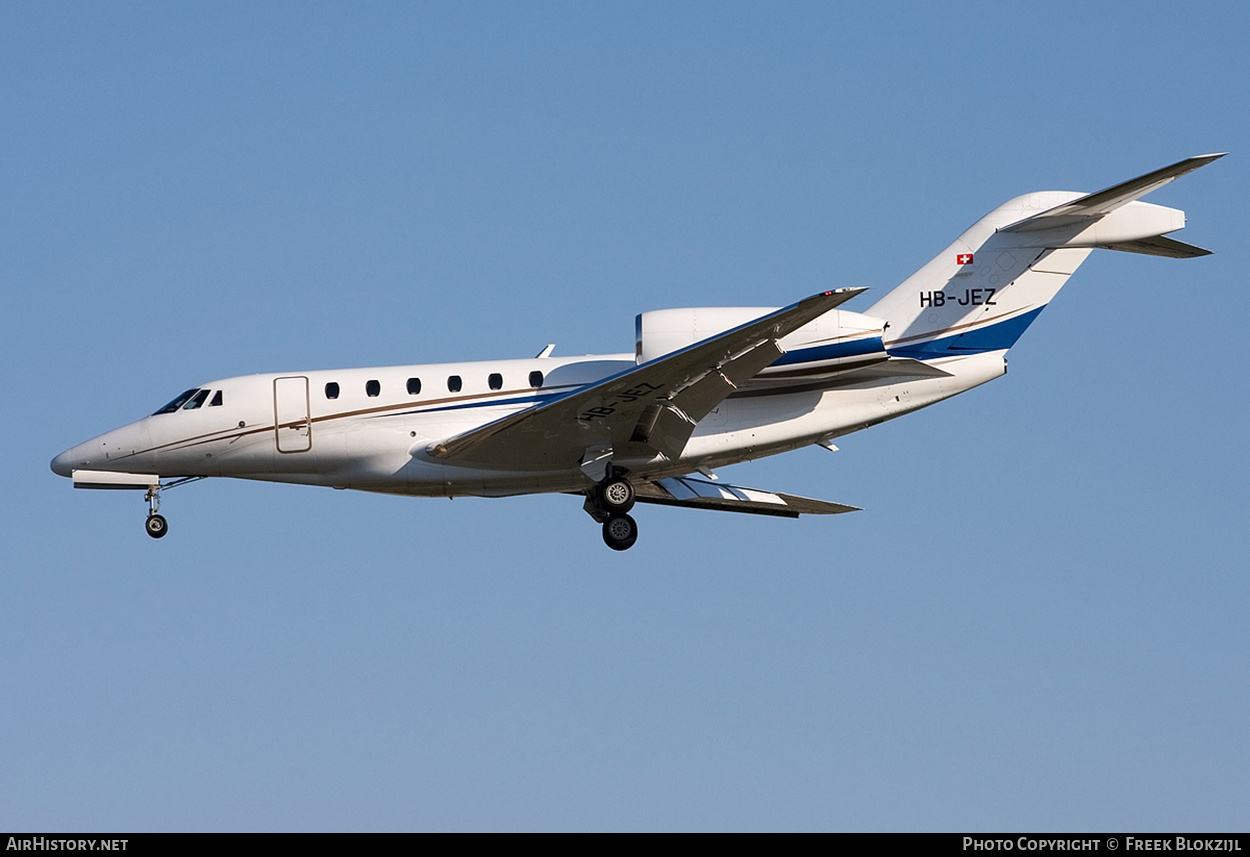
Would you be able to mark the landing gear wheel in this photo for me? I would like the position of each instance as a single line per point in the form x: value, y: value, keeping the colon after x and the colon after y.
x: 620, y: 532
x: 157, y: 526
x: 616, y: 496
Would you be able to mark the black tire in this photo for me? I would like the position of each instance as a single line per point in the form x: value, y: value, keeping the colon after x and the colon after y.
x: 620, y: 532
x: 157, y: 526
x: 616, y: 496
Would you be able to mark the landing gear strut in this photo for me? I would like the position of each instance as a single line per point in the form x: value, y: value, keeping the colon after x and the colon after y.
x: 608, y: 503
x: 156, y: 525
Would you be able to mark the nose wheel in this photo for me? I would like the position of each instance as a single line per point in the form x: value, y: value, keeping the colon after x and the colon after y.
x: 156, y: 526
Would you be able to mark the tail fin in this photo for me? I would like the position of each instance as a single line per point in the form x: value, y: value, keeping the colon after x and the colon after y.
x: 982, y: 292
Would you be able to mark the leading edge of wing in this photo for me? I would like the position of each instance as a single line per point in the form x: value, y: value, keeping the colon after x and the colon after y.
x: 559, y: 431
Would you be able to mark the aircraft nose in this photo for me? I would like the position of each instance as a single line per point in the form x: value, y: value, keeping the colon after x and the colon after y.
x: 63, y: 464
x: 76, y: 457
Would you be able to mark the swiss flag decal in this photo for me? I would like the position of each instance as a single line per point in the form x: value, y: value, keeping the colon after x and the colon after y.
x: 963, y: 259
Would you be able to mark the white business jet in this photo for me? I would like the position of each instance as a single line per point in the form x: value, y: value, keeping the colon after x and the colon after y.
x: 704, y: 388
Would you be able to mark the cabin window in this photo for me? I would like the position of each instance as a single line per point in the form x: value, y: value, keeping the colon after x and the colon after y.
x: 216, y: 402
x: 178, y: 402
x: 332, y: 390
x: 453, y: 384
x: 536, y: 379
x: 372, y: 388
x: 495, y: 380
x: 414, y: 386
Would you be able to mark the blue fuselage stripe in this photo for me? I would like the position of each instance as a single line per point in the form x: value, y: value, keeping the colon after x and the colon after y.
x: 832, y: 351
x: 992, y: 337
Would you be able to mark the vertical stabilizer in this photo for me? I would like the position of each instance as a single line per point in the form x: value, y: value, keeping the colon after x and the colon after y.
x: 984, y: 290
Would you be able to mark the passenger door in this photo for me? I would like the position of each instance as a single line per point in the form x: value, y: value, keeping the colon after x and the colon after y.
x: 292, y: 421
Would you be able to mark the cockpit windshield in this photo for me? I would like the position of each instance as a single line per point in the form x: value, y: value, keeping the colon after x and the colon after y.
x: 199, y: 399
x: 179, y: 402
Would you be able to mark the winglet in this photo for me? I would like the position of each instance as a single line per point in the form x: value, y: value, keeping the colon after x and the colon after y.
x: 1095, y: 205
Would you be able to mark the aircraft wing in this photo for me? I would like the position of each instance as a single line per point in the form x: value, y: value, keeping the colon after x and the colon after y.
x: 650, y: 408
x: 702, y: 494
x: 1095, y: 205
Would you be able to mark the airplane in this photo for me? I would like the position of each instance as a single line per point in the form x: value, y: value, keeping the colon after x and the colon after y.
x: 706, y: 387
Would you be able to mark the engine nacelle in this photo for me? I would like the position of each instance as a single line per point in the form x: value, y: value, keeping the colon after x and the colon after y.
x: 837, y: 341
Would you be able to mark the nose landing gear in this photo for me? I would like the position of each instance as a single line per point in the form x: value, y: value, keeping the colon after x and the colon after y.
x: 156, y: 525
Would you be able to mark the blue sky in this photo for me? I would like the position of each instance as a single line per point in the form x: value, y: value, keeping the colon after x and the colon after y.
x: 1037, y: 623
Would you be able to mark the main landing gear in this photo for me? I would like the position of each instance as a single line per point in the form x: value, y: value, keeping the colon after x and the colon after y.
x: 620, y: 532
x: 609, y: 503
x: 156, y: 525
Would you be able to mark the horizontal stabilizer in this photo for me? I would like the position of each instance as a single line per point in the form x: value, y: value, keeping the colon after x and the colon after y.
x: 1095, y: 205
x: 1160, y: 245
x: 701, y: 494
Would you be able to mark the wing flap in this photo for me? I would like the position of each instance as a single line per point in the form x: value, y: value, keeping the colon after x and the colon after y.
x: 666, y: 428
x: 701, y: 395
x: 702, y: 494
